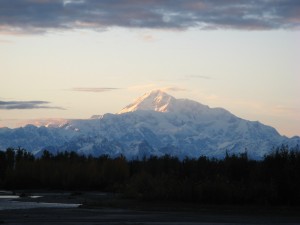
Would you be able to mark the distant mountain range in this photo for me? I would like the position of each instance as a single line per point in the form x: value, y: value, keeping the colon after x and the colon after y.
x: 154, y: 124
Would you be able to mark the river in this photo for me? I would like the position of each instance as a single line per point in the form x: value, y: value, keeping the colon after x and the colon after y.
x: 9, y: 201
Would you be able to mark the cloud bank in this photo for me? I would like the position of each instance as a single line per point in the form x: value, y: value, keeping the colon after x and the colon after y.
x: 38, y: 16
x: 8, y: 105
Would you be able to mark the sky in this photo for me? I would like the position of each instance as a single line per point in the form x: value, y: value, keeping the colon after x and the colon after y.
x: 77, y: 58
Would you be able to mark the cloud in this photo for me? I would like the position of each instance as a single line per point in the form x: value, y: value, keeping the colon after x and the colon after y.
x: 38, y: 16
x: 8, y: 105
x: 143, y: 87
x: 287, y: 110
x: 91, y: 89
x: 154, y: 86
x: 197, y: 77
x: 5, y: 42
x: 173, y: 89
x: 146, y: 37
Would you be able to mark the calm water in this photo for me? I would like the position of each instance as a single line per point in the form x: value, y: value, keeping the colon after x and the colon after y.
x: 8, y: 202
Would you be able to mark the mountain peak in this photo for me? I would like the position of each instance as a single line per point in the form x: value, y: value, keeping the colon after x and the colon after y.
x: 156, y: 100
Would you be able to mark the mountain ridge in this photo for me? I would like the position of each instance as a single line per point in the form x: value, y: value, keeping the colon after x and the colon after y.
x: 154, y: 124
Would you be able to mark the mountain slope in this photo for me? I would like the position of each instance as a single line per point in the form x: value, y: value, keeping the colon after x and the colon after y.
x: 154, y: 124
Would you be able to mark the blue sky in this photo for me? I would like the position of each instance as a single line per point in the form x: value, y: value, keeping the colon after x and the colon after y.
x: 73, y: 59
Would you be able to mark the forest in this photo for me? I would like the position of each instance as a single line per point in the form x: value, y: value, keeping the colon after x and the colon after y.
x: 235, y: 179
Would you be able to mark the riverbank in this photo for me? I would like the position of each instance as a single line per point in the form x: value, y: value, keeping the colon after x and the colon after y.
x: 106, y: 208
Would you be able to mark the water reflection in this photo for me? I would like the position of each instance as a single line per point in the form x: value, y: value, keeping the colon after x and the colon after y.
x: 8, y: 196
x: 7, y: 202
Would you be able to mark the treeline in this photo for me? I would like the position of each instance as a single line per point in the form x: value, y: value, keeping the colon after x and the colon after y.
x: 236, y: 179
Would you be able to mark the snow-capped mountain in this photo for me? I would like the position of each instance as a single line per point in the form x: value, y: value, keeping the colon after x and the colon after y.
x: 154, y: 124
x: 160, y: 101
x: 157, y: 100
